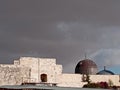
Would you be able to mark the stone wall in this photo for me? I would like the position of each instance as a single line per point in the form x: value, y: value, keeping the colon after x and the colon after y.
x: 33, y: 64
x: 40, y: 66
x: 29, y: 69
x: 99, y: 78
x: 70, y: 80
x: 13, y: 75
x: 75, y: 80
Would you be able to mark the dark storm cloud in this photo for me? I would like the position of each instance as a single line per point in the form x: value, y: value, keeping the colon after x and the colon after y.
x: 63, y: 29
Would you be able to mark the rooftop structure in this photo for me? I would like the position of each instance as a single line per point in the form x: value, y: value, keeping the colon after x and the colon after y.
x: 105, y: 72
x: 86, y: 66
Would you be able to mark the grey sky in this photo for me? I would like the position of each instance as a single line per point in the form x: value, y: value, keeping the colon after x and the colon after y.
x: 64, y: 29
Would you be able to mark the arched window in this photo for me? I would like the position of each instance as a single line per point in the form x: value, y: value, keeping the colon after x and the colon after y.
x: 43, y: 77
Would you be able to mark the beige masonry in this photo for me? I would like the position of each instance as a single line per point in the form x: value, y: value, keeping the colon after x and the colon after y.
x: 30, y: 69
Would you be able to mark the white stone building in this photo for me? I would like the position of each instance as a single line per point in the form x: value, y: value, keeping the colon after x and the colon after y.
x: 45, y: 70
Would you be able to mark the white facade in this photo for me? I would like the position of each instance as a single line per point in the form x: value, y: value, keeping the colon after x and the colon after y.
x: 29, y: 69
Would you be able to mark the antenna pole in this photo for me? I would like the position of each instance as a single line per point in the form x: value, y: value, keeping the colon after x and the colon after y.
x: 85, y: 55
x: 104, y: 67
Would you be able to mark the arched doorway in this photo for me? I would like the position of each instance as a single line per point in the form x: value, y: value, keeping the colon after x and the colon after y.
x: 43, y: 77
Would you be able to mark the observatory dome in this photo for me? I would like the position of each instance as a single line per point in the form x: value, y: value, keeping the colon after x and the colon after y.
x: 105, y: 72
x: 86, y: 66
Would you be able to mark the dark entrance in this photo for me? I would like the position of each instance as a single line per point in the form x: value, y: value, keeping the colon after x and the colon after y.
x: 43, y: 77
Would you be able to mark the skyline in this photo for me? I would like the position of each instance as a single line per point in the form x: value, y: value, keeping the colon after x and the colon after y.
x: 61, y: 29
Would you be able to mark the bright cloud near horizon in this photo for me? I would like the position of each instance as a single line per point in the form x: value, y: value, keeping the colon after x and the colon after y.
x: 61, y: 29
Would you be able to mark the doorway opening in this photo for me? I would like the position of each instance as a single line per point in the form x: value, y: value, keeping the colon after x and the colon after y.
x: 43, y: 77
